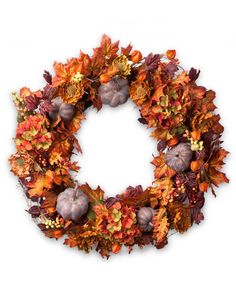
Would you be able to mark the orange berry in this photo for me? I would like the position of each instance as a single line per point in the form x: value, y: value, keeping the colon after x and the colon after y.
x: 116, y: 248
x: 195, y: 165
x: 203, y: 186
x: 171, y: 54
x: 196, y: 135
x: 105, y: 78
x: 136, y: 56
x: 173, y: 141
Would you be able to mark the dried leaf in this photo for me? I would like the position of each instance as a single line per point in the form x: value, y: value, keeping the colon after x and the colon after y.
x: 161, y: 225
x: 42, y: 183
x: 162, y: 169
x: 94, y: 196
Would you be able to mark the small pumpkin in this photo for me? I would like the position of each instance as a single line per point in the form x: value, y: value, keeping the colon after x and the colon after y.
x: 59, y: 108
x: 114, y: 92
x: 72, y: 203
x: 179, y: 157
x: 145, y: 216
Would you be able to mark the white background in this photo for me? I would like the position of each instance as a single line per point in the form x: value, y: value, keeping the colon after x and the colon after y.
x: 117, y: 150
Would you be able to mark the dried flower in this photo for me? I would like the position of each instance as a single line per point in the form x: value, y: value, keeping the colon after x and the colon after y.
x: 21, y: 164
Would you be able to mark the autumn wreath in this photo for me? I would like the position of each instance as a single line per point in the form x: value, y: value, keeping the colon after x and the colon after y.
x: 181, y: 118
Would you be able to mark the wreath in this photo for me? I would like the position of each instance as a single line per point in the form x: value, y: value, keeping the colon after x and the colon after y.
x: 180, y: 116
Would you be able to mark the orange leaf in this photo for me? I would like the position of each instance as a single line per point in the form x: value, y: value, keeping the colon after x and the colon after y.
x: 215, y: 164
x: 61, y: 74
x: 217, y: 177
x: 70, y: 242
x: 75, y: 123
x: 182, y: 79
x: 217, y: 159
x: 107, y: 49
x: 56, y: 234
x: 162, y: 169
x: 43, y: 182
x: 161, y: 225
x: 95, y: 196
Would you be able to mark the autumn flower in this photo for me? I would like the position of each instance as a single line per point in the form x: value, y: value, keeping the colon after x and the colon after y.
x: 139, y: 92
x: 21, y: 164
x: 33, y: 134
x: 118, y: 222
x: 122, y: 63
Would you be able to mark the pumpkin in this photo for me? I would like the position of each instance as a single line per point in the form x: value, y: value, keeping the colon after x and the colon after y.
x: 179, y: 157
x: 59, y: 108
x: 114, y: 92
x: 145, y: 216
x: 72, y: 203
x: 66, y: 111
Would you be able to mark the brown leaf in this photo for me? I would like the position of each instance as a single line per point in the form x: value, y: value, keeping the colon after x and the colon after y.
x: 94, y: 196
x: 161, y: 225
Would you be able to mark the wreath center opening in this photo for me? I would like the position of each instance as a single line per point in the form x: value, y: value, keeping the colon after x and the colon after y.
x: 117, y: 149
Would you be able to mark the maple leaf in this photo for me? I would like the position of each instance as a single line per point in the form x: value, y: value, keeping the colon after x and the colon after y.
x: 76, y: 145
x: 193, y: 74
x: 217, y: 159
x: 138, y: 200
x: 48, y: 77
x: 107, y: 49
x: 162, y: 169
x: 161, y: 134
x: 42, y: 182
x: 161, y: 225
x: 126, y: 50
x: 70, y: 242
x: 181, y: 79
x: 151, y: 61
x: 56, y: 234
x: 163, y: 190
x: 49, y: 203
x: 215, y: 164
x: 217, y: 177
x: 94, y: 196
x: 181, y: 216
x: 61, y: 74
x: 75, y: 123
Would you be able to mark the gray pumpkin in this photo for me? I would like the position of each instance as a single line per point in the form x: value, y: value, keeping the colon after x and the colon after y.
x: 114, y: 92
x: 179, y: 157
x: 72, y: 203
x: 59, y: 108
x: 145, y: 216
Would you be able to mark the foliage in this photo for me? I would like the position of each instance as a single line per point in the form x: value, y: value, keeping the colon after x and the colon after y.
x: 172, y: 106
